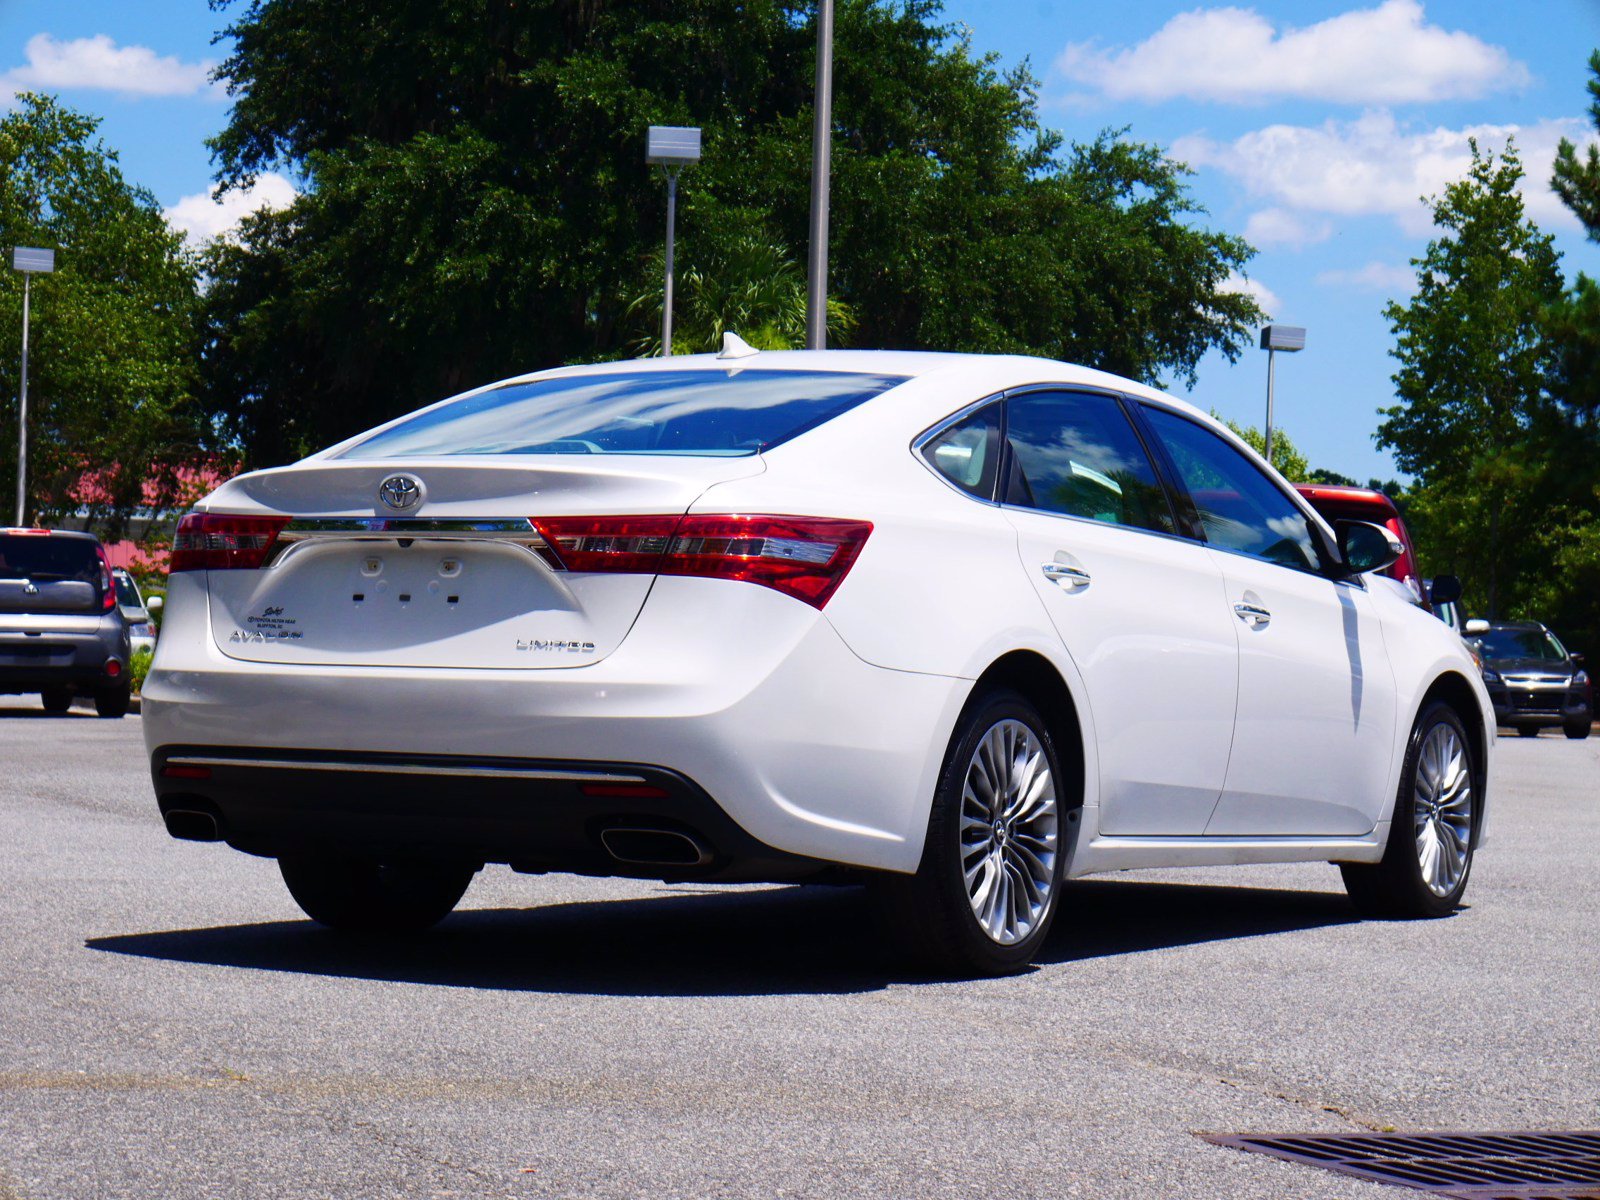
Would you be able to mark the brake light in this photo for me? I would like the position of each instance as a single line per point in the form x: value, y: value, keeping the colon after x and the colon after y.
x: 108, y: 582
x: 803, y: 557
x: 223, y: 542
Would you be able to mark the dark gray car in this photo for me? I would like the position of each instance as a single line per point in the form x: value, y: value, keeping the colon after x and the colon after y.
x: 1532, y: 679
x: 62, y: 633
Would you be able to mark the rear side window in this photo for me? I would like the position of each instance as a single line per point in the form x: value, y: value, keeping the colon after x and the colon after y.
x: 968, y: 452
x: 1075, y: 453
x: 1239, y: 507
x: 694, y: 412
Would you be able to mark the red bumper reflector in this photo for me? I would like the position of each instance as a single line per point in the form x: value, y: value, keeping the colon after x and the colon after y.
x: 113, y: 668
x: 636, y: 791
x: 179, y: 771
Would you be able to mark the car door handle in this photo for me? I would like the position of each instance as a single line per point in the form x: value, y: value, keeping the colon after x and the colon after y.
x: 1254, y: 614
x: 1062, y: 573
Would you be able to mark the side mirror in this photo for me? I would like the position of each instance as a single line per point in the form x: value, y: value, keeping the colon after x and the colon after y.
x: 1576, y: 658
x: 153, y: 603
x: 1445, y: 589
x: 1366, y: 547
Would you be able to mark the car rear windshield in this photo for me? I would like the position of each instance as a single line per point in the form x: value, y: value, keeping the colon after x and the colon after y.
x: 41, y: 558
x: 40, y: 574
x: 695, y: 412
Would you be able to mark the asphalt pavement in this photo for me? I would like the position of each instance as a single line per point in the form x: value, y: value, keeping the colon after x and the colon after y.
x: 171, y: 1027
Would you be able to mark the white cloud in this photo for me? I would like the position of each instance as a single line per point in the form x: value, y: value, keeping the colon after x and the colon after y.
x: 1280, y: 227
x: 1382, y: 55
x: 205, y: 215
x: 1373, y: 166
x: 98, y: 62
x: 1374, y: 277
x: 1264, y: 296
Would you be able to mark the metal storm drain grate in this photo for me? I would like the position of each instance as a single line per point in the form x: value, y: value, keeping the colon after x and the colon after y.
x: 1471, y: 1166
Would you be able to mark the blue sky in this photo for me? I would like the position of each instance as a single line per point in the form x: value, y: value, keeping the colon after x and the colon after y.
x: 1313, y: 127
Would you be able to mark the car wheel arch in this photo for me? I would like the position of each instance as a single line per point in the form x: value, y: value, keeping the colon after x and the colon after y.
x: 1452, y: 688
x: 1036, y: 678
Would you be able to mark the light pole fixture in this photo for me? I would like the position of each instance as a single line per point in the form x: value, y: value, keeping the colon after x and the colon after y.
x: 821, y: 170
x: 30, y: 261
x: 673, y: 147
x: 1289, y: 339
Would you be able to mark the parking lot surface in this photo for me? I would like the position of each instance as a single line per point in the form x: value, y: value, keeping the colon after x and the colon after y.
x: 170, y: 1026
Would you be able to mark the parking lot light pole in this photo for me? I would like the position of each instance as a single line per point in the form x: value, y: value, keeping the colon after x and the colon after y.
x: 1289, y: 339
x: 30, y: 261
x: 821, y: 170
x: 673, y: 147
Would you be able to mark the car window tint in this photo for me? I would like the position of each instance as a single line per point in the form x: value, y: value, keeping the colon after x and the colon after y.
x: 967, y: 452
x: 1075, y: 453
x: 1239, y: 507
x: 695, y: 411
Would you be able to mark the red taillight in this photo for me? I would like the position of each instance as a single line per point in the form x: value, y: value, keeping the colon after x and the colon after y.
x: 633, y: 545
x: 803, y: 557
x: 108, y: 582
x: 222, y: 542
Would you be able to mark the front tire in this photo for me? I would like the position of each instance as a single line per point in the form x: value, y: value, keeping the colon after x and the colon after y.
x: 1577, y: 731
x: 1527, y: 731
x: 987, y: 890
x: 363, y: 896
x: 1433, y: 831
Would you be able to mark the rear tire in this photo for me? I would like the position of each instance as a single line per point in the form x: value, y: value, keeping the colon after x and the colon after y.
x: 56, y: 700
x: 1433, y: 831
x: 1576, y: 732
x: 114, y: 703
x: 989, y: 885
x: 1527, y: 731
x: 363, y: 896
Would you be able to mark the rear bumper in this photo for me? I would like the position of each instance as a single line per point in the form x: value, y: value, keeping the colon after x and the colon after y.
x: 32, y: 662
x: 750, y: 695
x: 536, y: 815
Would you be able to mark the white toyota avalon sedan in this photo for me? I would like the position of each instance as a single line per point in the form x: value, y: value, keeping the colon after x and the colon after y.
x: 961, y: 627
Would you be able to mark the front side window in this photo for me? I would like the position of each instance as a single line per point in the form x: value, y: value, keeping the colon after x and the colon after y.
x: 1239, y: 507
x: 967, y: 452
x: 693, y: 412
x: 1075, y: 453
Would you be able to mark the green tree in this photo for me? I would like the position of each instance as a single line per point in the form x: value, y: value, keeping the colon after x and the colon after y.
x: 1286, y: 456
x: 110, y: 378
x: 477, y: 202
x: 738, y: 282
x: 1473, y: 382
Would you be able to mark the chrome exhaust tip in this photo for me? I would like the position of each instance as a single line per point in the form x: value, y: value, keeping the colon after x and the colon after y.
x: 643, y: 847
x: 192, y: 825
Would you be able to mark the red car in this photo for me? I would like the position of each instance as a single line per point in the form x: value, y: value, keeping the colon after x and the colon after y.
x: 1364, y: 504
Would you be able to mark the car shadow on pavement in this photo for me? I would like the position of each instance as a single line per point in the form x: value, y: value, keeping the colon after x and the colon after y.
x: 784, y: 941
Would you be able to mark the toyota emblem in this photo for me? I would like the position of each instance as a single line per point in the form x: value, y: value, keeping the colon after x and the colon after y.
x: 400, y: 491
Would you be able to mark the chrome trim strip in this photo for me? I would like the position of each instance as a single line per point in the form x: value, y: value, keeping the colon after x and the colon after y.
x: 511, y: 531
x: 375, y: 768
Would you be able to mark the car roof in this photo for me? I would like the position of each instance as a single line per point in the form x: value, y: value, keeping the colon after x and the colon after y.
x: 1352, y: 495
x: 32, y: 531
x: 1521, y: 625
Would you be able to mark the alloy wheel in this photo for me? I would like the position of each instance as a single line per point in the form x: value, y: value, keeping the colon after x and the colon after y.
x: 1010, y: 829
x: 1443, y: 810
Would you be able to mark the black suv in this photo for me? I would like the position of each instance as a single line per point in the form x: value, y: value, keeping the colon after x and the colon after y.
x: 62, y: 633
x: 1531, y: 678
